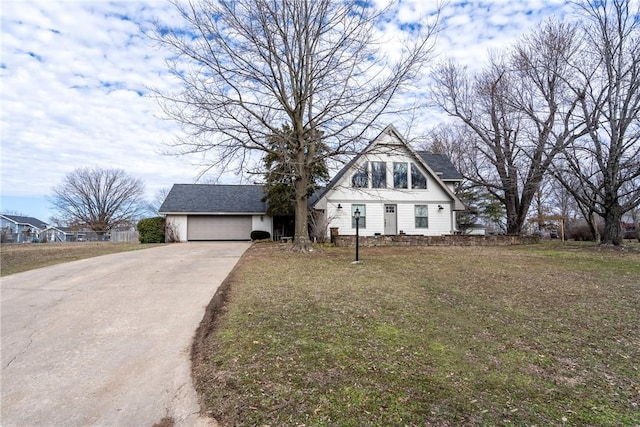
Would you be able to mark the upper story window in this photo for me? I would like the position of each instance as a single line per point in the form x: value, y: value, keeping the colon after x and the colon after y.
x: 378, y: 175
x: 360, y: 179
x: 400, y: 175
x: 418, y: 180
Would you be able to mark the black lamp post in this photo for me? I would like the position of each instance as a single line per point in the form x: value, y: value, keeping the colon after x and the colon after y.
x: 356, y: 216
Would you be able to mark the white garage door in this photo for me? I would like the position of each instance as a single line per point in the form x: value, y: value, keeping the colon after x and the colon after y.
x: 219, y: 227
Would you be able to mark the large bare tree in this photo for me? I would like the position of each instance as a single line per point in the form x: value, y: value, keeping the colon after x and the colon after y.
x: 602, y: 170
x: 98, y: 198
x: 519, y: 113
x: 324, y: 68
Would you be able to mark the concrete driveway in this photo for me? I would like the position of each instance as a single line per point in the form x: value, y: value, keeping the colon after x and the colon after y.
x: 105, y: 341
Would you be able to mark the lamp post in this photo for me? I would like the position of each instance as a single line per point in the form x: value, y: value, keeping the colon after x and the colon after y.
x: 356, y: 216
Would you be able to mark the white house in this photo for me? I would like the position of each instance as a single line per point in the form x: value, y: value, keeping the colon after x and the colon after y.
x: 395, y: 188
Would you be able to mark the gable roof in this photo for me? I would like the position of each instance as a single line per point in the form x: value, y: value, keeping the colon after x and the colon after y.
x: 26, y: 220
x: 438, y: 165
x: 65, y: 230
x: 213, y: 198
x: 441, y: 165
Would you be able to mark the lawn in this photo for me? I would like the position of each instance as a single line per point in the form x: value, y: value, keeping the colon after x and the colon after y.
x: 15, y: 258
x: 521, y: 335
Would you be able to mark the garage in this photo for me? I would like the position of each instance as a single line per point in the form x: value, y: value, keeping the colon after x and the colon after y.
x: 219, y: 227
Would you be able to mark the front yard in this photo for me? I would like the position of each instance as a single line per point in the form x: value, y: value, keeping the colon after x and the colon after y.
x: 527, y: 335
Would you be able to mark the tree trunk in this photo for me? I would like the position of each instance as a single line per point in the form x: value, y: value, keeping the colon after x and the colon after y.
x: 593, y: 226
x: 612, y: 234
x: 301, y: 236
x: 513, y: 225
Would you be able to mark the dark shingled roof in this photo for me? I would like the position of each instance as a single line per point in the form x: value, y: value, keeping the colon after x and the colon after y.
x: 440, y: 164
x: 210, y: 198
x: 27, y: 220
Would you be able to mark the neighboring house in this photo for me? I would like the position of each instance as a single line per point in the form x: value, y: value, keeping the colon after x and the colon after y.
x: 20, y: 229
x: 56, y: 233
x: 395, y: 188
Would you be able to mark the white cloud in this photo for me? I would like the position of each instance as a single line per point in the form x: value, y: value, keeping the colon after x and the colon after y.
x: 73, y: 73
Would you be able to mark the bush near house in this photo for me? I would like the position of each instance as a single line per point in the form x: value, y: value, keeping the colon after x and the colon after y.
x: 151, y: 230
x: 260, y: 235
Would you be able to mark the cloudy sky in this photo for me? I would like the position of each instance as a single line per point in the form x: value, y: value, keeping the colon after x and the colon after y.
x: 74, y: 78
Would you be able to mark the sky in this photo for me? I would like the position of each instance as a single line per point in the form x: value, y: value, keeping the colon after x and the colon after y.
x: 74, y: 79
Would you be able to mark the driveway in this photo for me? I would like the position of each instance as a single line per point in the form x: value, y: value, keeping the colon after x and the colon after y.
x: 106, y: 341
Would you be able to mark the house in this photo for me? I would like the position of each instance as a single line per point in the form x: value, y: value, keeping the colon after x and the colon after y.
x: 21, y: 229
x: 55, y: 233
x: 396, y: 189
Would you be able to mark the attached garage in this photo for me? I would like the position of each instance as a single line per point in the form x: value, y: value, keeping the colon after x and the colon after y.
x: 215, y: 212
x: 218, y: 227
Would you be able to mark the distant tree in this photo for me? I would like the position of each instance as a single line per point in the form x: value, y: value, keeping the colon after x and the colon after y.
x: 249, y: 66
x: 153, y: 206
x: 100, y: 199
x: 280, y: 175
x: 602, y: 169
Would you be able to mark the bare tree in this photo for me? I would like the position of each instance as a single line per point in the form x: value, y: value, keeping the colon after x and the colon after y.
x: 519, y: 113
x: 248, y: 67
x: 100, y: 199
x: 602, y: 170
x: 153, y: 206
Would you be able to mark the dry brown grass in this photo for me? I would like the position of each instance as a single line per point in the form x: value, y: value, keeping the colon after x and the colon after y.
x: 537, y: 335
x: 15, y: 258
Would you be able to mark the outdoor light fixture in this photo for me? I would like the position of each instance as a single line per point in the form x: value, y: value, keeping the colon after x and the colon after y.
x: 339, y: 206
x: 440, y: 207
x: 356, y: 216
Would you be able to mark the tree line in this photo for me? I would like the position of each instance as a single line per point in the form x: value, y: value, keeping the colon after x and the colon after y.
x: 561, y: 104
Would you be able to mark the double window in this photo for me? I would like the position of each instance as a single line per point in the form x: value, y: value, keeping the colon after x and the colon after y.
x: 363, y: 216
x: 422, y: 216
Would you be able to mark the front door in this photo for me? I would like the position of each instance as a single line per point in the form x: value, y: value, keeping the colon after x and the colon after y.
x: 390, y: 220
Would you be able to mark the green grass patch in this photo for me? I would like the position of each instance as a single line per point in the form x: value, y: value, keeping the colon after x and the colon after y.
x: 427, y: 335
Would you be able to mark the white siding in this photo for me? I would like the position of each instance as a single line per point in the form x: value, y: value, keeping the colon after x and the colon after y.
x: 180, y: 224
x: 262, y: 223
x: 439, y: 220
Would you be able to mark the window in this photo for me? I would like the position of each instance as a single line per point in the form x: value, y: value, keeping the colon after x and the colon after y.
x: 363, y: 216
x: 418, y: 180
x: 378, y: 175
x: 399, y: 175
x: 422, y: 216
x: 360, y: 179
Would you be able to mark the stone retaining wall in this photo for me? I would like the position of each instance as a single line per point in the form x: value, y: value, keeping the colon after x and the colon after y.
x: 446, y: 240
